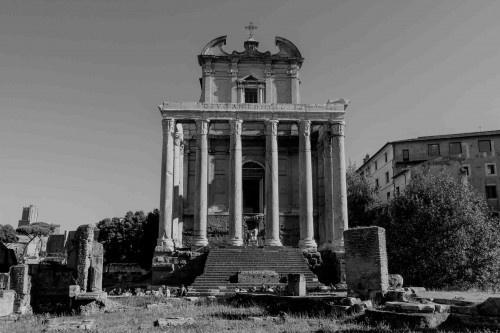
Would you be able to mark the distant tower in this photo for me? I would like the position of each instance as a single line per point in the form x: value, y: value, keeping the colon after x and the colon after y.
x: 30, y: 215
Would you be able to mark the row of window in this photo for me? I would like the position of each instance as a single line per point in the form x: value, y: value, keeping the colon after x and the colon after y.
x: 490, y: 169
x: 433, y: 149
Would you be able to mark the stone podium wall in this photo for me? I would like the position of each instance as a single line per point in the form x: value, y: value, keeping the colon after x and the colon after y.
x: 366, y: 261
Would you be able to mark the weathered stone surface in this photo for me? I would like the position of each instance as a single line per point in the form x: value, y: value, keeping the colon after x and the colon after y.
x: 20, y: 282
x: 361, y: 306
x: 366, y: 260
x: 55, y: 245
x: 297, y: 284
x: 395, y: 281
x: 174, y: 321
x: 490, y: 307
x: 457, y: 302
x: 350, y: 301
x: 7, y: 298
x: 406, y: 320
x: 259, y: 277
x: 442, y: 308
x: 96, y: 266
x: 418, y: 290
x: 397, y: 295
x: 468, y: 310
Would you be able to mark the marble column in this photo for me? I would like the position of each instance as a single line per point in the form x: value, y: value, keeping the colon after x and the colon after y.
x: 235, y: 185
x: 305, y: 187
x: 327, y: 171
x: 340, y: 186
x: 201, y: 184
x: 181, y: 193
x: 272, y: 189
x: 164, y: 242
x: 178, y: 174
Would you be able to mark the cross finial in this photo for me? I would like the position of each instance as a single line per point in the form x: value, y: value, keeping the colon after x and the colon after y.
x: 250, y: 28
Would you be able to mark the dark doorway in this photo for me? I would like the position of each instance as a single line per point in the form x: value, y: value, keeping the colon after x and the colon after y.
x: 253, y: 188
x: 251, y: 195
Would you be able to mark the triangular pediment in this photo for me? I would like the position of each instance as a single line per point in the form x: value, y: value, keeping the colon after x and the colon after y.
x: 252, y: 77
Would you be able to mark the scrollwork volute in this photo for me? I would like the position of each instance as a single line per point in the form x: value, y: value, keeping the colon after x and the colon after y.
x: 271, y: 127
x: 305, y: 127
x: 337, y: 129
x: 235, y: 127
x: 168, y: 125
x: 202, y: 126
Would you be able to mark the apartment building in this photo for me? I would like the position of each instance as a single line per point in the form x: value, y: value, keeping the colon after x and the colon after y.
x: 477, y: 155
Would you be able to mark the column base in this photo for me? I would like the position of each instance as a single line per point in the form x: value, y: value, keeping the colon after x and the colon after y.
x: 273, y: 242
x: 308, y: 244
x: 199, y: 242
x: 234, y: 242
x: 164, y: 245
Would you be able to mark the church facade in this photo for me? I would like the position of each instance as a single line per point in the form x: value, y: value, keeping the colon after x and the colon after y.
x: 249, y: 147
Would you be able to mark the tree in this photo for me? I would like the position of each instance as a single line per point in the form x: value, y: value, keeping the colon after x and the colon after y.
x: 361, y: 198
x: 34, y: 230
x: 7, y: 234
x: 440, y: 234
x: 130, y: 239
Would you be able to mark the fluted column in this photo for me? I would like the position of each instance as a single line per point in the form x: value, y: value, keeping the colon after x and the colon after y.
x: 235, y: 185
x: 327, y: 171
x: 201, y: 184
x: 305, y: 185
x: 178, y: 174
x: 164, y: 242
x: 272, y: 189
x: 180, y: 198
x: 340, y: 186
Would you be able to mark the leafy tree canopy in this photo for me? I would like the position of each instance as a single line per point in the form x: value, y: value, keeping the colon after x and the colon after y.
x: 7, y: 234
x: 361, y: 197
x: 440, y: 234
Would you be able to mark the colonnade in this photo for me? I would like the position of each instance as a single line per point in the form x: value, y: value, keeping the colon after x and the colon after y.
x: 172, y: 175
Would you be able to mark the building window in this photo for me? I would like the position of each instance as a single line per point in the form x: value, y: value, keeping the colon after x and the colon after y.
x: 387, y: 177
x: 388, y: 195
x: 491, y: 169
x: 455, y: 148
x: 251, y: 95
x: 385, y: 156
x: 376, y: 183
x: 397, y: 190
x: 433, y: 149
x: 484, y: 145
x: 375, y: 165
x: 491, y: 192
x: 406, y: 155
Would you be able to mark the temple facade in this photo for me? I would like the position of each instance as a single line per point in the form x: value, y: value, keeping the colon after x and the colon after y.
x: 249, y: 147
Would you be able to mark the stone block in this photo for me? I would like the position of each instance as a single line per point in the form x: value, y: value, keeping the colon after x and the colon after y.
x: 442, y: 308
x: 399, y: 296
x: 7, y: 298
x: 366, y: 260
x: 74, y: 290
x: 467, y: 310
x: 490, y: 307
x: 457, y: 302
x: 418, y: 290
x: 350, y: 301
x: 258, y: 277
x: 297, y: 284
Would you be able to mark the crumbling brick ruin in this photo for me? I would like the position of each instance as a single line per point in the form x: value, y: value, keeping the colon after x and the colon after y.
x: 366, y: 261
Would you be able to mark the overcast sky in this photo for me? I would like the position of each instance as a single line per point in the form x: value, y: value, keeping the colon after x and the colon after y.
x: 80, y: 81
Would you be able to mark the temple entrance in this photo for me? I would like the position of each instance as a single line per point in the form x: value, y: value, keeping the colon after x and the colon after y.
x: 253, y: 188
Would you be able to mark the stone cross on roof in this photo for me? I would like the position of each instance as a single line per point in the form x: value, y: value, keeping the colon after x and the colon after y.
x: 250, y: 28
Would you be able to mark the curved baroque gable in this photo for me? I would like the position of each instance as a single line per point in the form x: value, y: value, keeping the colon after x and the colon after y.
x: 214, y: 47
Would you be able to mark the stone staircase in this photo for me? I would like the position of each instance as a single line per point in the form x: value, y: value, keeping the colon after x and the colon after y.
x: 223, y: 264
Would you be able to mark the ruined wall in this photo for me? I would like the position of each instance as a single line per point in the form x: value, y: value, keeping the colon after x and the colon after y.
x: 366, y: 261
x: 20, y: 282
x: 50, y: 284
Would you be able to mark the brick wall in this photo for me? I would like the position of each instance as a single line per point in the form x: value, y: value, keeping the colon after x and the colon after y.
x: 366, y: 260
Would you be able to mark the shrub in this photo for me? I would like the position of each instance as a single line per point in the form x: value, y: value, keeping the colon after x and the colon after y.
x: 440, y: 233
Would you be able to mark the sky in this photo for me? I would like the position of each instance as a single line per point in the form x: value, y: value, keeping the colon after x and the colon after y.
x: 80, y: 82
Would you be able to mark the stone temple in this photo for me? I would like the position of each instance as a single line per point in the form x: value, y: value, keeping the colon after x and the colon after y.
x: 250, y: 147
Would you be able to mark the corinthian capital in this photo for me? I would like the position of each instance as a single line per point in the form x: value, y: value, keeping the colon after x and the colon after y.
x: 337, y: 129
x: 271, y: 127
x: 305, y: 127
x: 202, y: 126
x: 235, y: 126
x: 168, y: 125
